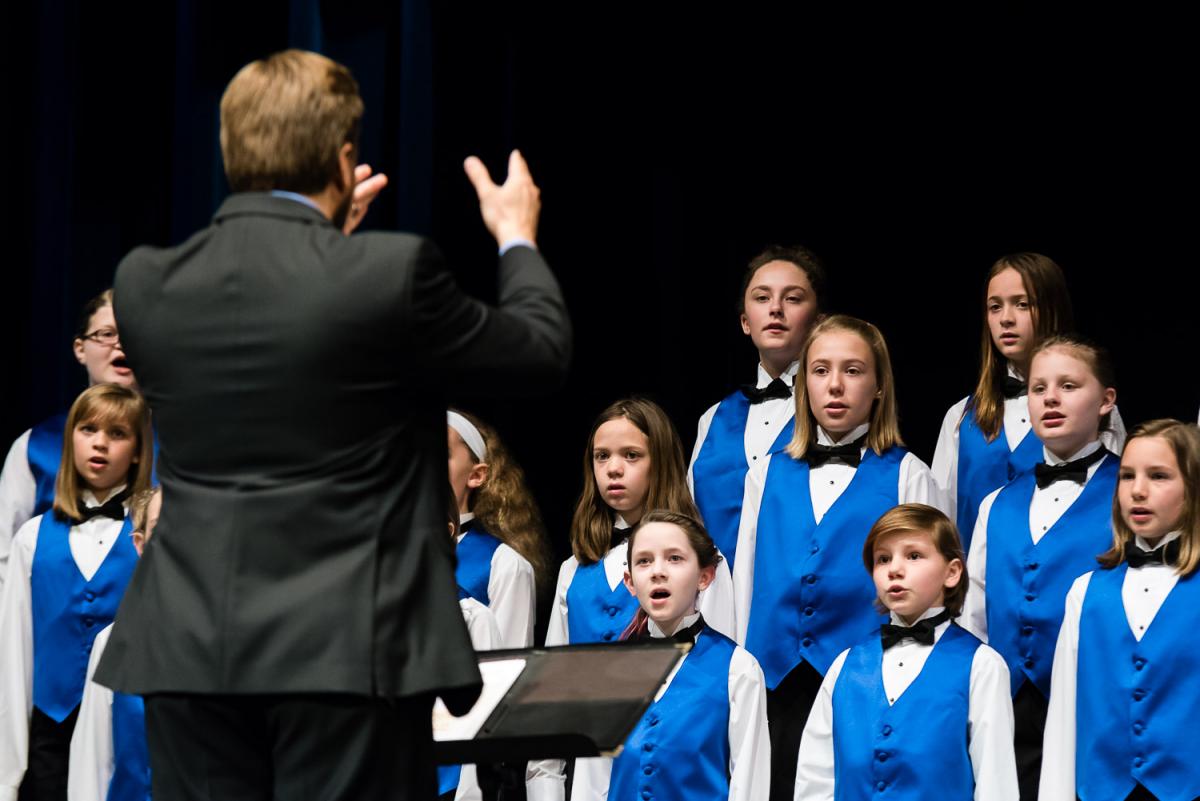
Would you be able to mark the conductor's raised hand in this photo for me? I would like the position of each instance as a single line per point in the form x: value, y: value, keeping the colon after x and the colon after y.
x: 510, y: 210
x: 366, y: 188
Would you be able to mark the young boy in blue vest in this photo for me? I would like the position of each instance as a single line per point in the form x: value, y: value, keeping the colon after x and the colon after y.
x: 921, y: 710
x: 109, y: 761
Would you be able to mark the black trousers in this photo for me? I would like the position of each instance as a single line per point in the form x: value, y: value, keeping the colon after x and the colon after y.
x: 788, y: 706
x: 290, y: 748
x: 49, y: 753
x: 1029, y: 719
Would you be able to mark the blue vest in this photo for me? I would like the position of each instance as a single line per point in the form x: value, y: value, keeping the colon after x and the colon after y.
x: 474, y: 569
x: 1137, y: 701
x: 68, y: 612
x: 719, y: 472
x: 679, y: 750
x: 916, y: 748
x: 44, y: 453
x: 1027, y: 584
x: 812, y: 598
x: 596, y: 613
x: 131, y: 763
x: 984, y: 467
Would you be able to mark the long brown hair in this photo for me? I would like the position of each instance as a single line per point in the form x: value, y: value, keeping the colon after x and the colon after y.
x: 103, y: 404
x: 591, y: 527
x: 504, y: 505
x: 698, y: 537
x: 1051, y: 312
x: 885, y: 423
x: 1184, y: 441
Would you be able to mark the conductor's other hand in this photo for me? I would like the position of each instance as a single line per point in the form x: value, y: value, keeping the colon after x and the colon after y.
x: 510, y: 210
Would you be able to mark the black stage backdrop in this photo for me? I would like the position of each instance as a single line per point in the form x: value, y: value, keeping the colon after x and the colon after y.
x: 909, y: 148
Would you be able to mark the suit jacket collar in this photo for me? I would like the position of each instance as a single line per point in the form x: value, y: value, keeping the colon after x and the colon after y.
x: 264, y: 204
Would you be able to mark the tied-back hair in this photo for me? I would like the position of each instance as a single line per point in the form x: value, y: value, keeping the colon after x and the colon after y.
x: 90, y: 308
x: 504, y: 505
x: 139, y: 508
x: 698, y: 537
x: 1095, y: 356
x: 101, y: 405
x: 884, y: 429
x: 591, y: 527
x: 803, y: 258
x: 1184, y: 441
x: 1051, y: 312
x: 919, y: 518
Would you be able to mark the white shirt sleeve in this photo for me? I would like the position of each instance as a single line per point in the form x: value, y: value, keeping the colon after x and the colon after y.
x: 1058, y: 744
x: 918, y: 486
x: 990, y: 722
x: 749, y: 738
x: 814, y: 768
x: 91, y: 761
x: 716, y: 602
x: 701, y: 434
x: 546, y: 779
x: 481, y: 625
x: 512, y: 598
x: 18, y: 492
x: 743, y: 570
x: 945, y: 457
x: 974, y: 615
x: 16, y: 660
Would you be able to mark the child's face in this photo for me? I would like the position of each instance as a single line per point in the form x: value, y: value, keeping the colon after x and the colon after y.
x: 1150, y: 488
x: 466, y: 474
x: 1066, y: 401
x: 621, y: 463
x: 1009, y: 315
x: 841, y: 381
x: 153, y: 509
x: 780, y: 306
x: 104, y: 452
x: 105, y: 363
x: 665, y: 574
x: 911, y: 575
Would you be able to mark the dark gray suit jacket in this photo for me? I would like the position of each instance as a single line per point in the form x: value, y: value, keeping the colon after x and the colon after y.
x: 293, y: 374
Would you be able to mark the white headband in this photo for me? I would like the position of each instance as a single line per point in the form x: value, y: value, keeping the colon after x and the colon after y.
x: 469, y: 433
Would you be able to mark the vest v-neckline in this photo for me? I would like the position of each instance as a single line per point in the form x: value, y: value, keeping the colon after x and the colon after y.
x: 1065, y: 512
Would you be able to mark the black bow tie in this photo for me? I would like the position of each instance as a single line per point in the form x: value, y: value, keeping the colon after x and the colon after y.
x: 850, y: 453
x: 1047, y: 474
x: 619, y: 535
x: 921, y: 631
x: 114, y: 507
x: 682, y: 635
x: 1162, y: 555
x: 776, y: 389
x: 1014, y: 387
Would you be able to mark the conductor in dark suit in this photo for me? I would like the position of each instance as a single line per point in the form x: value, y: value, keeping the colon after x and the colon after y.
x: 296, y: 612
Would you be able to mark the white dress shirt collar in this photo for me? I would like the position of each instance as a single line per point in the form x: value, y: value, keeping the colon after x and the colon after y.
x: 89, y: 498
x: 1086, y: 450
x: 823, y: 437
x: 788, y: 375
x: 658, y: 633
x: 1170, y: 535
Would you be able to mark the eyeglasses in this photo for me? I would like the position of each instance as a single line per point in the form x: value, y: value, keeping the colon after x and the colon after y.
x: 103, y: 336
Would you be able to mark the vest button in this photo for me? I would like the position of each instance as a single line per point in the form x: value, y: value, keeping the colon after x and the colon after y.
x: 1139, y: 663
x: 809, y: 611
x: 648, y: 747
x: 807, y: 642
x: 814, y: 548
x: 1138, y: 762
x: 1138, y: 728
x: 89, y: 596
x: 612, y: 611
x: 646, y: 794
x: 608, y: 635
x: 810, y: 579
x: 1139, y: 694
x: 1031, y: 566
x: 887, y: 731
x: 881, y: 756
x: 1027, y: 630
x: 648, y: 770
x: 881, y: 786
x: 1029, y: 596
x: 1028, y: 663
x: 89, y: 622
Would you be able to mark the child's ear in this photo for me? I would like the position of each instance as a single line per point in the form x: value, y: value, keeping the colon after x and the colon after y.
x: 954, y: 572
x: 477, y: 476
x: 707, y: 574
x: 629, y: 584
x: 1109, y: 402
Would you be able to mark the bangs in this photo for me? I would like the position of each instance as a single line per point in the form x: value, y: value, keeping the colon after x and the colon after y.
x: 105, y: 411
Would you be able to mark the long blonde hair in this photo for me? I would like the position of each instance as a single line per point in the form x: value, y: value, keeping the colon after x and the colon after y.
x: 885, y: 424
x: 504, y: 505
x: 1184, y: 441
x: 591, y: 527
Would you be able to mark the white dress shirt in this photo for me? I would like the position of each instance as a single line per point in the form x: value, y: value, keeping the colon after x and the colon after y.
x: 1017, y: 424
x: 989, y: 719
x: 90, y: 543
x: 763, y: 422
x: 545, y: 779
x: 91, y: 760
x: 511, y: 594
x: 1142, y: 594
x: 18, y: 492
x: 485, y: 636
x: 825, y: 484
x: 749, y: 739
x: 1046, y: 507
